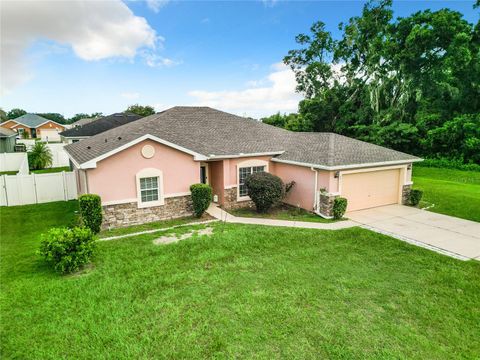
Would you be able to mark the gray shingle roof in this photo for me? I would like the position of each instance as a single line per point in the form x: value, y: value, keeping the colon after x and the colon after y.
x: 212, y: 132
x: 4, y: 132
x: 101, y: 125
x: 84, y: 121
x: 30, y: 120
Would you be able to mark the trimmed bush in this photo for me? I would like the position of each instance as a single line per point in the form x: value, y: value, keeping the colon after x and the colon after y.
x: 201, y: 197
x: 339, y: 207
x: 415, y: 197
x: 91, y: 211
x: 68, y: 249
x: 265, y: 190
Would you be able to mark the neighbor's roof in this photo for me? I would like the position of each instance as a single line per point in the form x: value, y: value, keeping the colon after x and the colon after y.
x: 214, y: 134
x: 32, y: 120
x: 84, y: 121
x: 100, y: 125
x: 4, y: 132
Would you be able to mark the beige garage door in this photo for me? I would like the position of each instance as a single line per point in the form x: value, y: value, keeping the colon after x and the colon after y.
x: 49, y: 135
x: 369, y: 189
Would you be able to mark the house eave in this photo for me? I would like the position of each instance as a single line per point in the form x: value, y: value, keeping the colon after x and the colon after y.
x: 349, y: 166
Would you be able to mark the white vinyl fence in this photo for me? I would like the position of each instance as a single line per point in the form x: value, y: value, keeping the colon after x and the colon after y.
x: 37, y: 188
x: 14, y: 162
x: 59, y: 155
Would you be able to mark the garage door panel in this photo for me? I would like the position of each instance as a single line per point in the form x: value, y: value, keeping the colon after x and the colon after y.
x: 370, y: 189
x: 49, y: 134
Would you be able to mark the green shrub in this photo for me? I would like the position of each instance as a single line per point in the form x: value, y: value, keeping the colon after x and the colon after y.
x: 265, y: 190
x: 40, y: 156
x: 448, y: 164
x: 339, y: 207
x: 91, y: 211
x: 68, y: 249
x: 201, y: 197
x: 415, y: 197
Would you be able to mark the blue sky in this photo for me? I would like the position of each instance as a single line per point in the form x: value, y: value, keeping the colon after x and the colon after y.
x: 222, y: 54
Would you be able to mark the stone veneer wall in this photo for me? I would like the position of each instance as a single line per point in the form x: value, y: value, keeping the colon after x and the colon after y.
x: 120, y: 215
x: 230, y: 200
x: 406, y: 194
x: 326, y: 204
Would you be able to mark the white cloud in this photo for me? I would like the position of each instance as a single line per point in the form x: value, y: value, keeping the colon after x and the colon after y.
x: 154, y: 60
x: 94, y: 30
x: 278, y: 94
x: 269, y: 3
x: 156, y: 5
x: 130, y: 95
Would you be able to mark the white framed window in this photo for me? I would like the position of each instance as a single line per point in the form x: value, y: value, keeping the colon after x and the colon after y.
x: 150, y: 188
x: 245, y: 169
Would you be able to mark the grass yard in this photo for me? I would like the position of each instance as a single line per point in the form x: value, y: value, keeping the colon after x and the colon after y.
x: 282, y: 212
x: 453, y: 192
x: 245, y: 292
x: 51, y: 170
x: 154, y: 225
x: 8, y: 172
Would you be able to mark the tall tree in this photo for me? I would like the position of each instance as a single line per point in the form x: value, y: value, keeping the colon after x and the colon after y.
x: 54, y: 117
x: 389, y: 81
x: 14, y: 113
x: 141, y: 110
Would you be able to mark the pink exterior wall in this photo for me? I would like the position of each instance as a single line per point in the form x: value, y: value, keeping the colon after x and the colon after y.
x: 114, y: 178
x: 302, y: 194
x: 230, y: 168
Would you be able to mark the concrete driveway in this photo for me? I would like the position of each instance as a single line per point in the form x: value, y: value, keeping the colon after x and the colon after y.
x: 445, y: 234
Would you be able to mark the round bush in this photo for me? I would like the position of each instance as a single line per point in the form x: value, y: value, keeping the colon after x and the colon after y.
x: 265, y: 190
x: 201, y: 198
x: 68, y: 249
x: 415, y: 197
x: 91, y: 211
x: 339, y: 207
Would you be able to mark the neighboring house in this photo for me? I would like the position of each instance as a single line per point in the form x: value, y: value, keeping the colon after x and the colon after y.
x: 143, y: 170
x: 83, y: 121
x: 7, y: 140
x: 36, y: 127
x: 97, y: 126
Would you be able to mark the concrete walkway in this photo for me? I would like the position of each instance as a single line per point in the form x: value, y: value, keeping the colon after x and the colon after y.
x: 448, y: 235
x: 221, y: 214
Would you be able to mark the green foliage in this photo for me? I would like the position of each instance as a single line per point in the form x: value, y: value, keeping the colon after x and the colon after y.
x: 40, y: 156
x: 141, y: 110
x: 409, y: 83
x: 339, y: 207
x: 67, y: 249
x: 14, y: 113
x: 415, y: 197
x: 201, y: 198
x: 448, y: 164
x: 294, y: 122
x: 91, y: 211
x: 3, y: 115
x: 54, y: 117
x: 265, y: 190
x: 25, y: 134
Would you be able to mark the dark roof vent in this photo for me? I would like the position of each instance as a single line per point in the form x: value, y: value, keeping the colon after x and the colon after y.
x: 88, y: 147
x: 119, y: 138
x: 105, y: 140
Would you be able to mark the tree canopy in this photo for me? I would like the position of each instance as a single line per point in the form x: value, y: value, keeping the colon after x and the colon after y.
x: 141, y: 110
x: 406, y: 83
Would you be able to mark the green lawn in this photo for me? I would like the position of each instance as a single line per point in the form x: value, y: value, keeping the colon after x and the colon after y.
x: 153, y: 226
x: 452, y: 192
x: 51, y: 170
x: 283, y: 212
x: 246, y: 292
x: 8, y: 172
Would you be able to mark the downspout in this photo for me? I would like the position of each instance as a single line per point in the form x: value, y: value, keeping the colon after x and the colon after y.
x: 315, y: 191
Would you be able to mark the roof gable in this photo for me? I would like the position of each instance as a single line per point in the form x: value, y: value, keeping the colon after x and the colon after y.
x: 32, y: 120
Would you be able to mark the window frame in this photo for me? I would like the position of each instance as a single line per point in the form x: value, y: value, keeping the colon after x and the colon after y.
x: 248, y: 164
x: 150, y: 173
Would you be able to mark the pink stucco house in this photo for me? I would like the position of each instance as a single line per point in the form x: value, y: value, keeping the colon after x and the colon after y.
x: 143, y: 170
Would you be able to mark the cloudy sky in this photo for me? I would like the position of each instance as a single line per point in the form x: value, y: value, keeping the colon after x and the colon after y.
x: 87, y: 56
